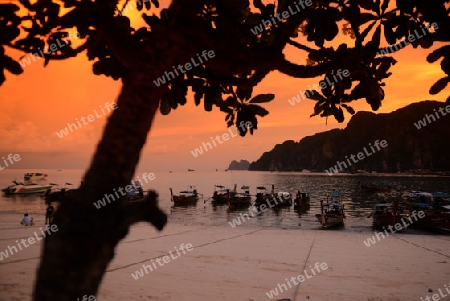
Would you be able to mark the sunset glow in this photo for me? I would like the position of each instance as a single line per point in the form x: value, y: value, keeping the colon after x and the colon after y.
x: 42, y: 101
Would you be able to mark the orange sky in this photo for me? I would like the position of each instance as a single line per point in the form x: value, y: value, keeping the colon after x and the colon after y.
x: 40, y: 102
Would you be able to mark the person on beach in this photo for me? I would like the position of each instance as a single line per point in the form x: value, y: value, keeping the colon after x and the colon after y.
x: 27, y: 220
x: 49, y: 214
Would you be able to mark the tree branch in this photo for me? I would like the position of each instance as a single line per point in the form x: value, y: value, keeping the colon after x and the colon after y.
x: 301, y: 46
x: 301, y: 71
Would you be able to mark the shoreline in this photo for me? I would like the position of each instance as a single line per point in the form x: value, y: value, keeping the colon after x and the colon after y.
x: 246, y: 263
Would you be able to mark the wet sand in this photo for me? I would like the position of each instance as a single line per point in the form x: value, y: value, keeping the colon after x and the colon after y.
x: 246, y: 263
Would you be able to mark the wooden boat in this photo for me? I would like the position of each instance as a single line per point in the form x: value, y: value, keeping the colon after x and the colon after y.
x: 441, y: 198
x: 240, y: 199
x: 136, y: 194
x: 386, y: 214
x: 332, y: 213
x: 282, y: 199
x: 263, y: 196
x: 186, y: 197
x: 436, y: 213
x: 418, y: 196
x: 221, y: 195
x: 301, y: 200
x: 58, y: 194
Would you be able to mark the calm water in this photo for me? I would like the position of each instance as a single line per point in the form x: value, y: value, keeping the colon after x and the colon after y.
x: 357, y: 204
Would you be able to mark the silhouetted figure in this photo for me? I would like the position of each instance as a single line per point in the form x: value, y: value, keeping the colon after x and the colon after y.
x: 49, y: 214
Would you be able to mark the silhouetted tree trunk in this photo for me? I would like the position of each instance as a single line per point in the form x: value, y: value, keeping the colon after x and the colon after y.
x: 76, y: 256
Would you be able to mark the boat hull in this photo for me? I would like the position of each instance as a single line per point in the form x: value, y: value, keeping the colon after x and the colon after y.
x: 134, y: 201
x: 384, y: 220
x: 220, y: 199
x: 239, y: 202
x: 330, y: 220
x: 439, y: 222
x: 59, y: 195
x: 184, y: 200
x: 300, y: 202
x: 23, y: 190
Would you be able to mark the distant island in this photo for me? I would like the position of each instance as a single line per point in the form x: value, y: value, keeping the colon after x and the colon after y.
x: 417, y: 138
x: 242, y: 165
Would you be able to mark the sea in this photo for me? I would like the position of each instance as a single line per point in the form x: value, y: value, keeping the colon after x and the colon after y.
x: 357, y: 204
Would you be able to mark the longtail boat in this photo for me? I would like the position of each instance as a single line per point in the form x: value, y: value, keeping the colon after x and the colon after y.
x: 436, y: 212
x: 240, y: 199
x: 263, y: 196
x: 332, y: 213
x: 221, y: 195
x: 301, y: 200
x: 386, y: 214
x: 186, y: 197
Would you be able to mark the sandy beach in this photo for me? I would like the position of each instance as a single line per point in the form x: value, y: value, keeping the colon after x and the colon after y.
x: 246, y: 263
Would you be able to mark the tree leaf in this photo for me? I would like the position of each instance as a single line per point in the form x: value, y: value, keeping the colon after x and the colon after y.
x: 258, y: 110
x: 318, y: 108
x: 375, y: 42
x: 156, y: 3
x: 262, y: 98
x: 439, y: 85
x: 384, y: 6
x: 348, y: 108
x: 244, y: 94
x: 366, y: 4
x: 338, y: 114
x: 11, y: 65
x: 438, y: 53
x: 313, y: 94
x: 259, y: 5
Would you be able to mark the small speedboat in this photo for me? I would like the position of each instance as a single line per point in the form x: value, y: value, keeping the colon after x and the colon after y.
x: 34, y: 176
x: 29, y: 188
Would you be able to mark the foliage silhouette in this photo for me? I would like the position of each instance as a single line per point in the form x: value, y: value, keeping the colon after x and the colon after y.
x: 175, y: 36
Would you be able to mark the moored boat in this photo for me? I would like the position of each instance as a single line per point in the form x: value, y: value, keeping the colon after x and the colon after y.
x: 34, y: 176
x: 263, y: 196
x: 332, y: 213
x: 301, y: 200
x: 283, y: 199
x: 135, y: 194
x: 57, y: 194
x: 221, y: 195
x: 436, y: 212
x: 28, y: 188
x: 240, y: 199
x: 386, y: 214
x: 186, y: 197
